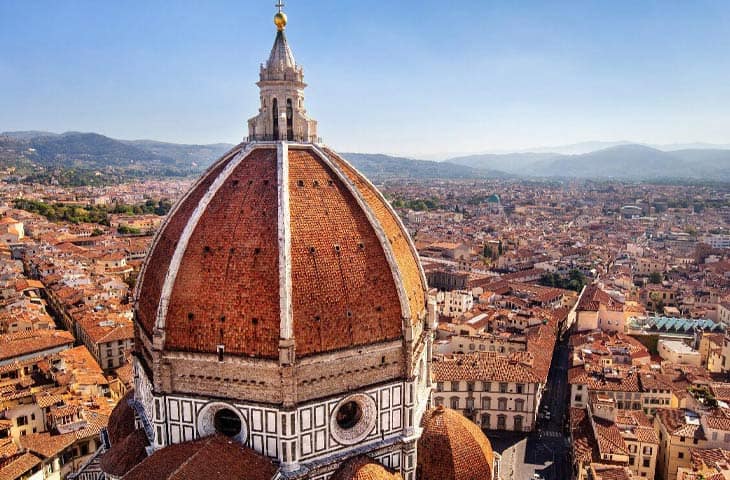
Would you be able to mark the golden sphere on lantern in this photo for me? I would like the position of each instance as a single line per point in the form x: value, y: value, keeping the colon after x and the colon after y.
x: 280, y: 20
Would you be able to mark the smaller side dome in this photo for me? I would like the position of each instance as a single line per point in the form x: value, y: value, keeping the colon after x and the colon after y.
x: 363, y: 468
x: 452, y: 447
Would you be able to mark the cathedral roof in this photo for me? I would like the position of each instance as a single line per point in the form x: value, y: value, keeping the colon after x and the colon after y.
x: 363, y: 468
x: 263, y: 248
x: 121, y: 420
x: 125, y: 454
x: 211, y: 457
x: 452, y: 447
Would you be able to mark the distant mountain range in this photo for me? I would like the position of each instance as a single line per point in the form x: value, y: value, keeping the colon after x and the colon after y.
x: 381, y: 167
x: 124, y: 158
x: 625, y: 162
x: 46, y: 154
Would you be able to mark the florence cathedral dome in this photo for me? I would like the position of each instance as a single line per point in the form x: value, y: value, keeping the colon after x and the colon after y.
x: 281, y: 316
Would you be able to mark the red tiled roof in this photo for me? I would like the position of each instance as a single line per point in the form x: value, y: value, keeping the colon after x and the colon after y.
x: 397, y: 236
x: 227, y: 289
x: 340, y: 298
x: 125, y: 454
x: 19, y: 465
x: 215, y: 457
x: 452, y: 447
x: 363, y: 468
x: 121, y: 420
x: 150, y: 283
x: 24, y: 343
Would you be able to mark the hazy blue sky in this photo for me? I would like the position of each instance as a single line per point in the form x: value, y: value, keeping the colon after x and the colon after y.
x: 394, y: 76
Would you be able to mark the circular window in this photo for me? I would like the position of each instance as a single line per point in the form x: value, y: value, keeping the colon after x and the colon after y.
x: 227, y: 422
x: 222, y: 418
x: 348, y: 415
x: 353, y: 419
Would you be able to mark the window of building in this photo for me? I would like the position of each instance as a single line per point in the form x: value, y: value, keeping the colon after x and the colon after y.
x: 520, y: 388
x: 454, y: 402
x: 502, y: 404
x: 646, y: 462
x: 519, y: 405
x: 487, y: 386
x: 501, y: 422
x: 470, y: 386
x: 502, y: 388
x: 680, y: 455
x: 579, y: 398
x: 486, y: 403
x: 486, y: 421
x: 469, y: 403
x: 454, y: 386
x: 439, y: 386
x: 518, y: 423
x: 22, y: 420
x: 647, y: 450
x: 438, y: 401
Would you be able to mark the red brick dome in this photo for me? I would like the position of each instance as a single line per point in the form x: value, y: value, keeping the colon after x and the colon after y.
x: 452, y: 447
x: 363, y: 468
x: 279, y: 241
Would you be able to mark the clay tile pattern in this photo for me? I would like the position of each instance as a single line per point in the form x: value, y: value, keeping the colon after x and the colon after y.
x: 212, y: 457
x: 226, y: 291
x: 452, y: 448
x: 125, y: 454
x: 150, y: 287
x: 407, y: 262
x: 227, y: 288
x: 363, y: 468
x: 121, y: 420
x: 343, y: 291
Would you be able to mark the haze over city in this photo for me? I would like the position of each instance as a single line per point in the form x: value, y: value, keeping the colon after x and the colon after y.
x: 451, y: 78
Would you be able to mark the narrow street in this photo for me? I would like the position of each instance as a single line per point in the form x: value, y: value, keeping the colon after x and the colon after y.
x: 545, y: 451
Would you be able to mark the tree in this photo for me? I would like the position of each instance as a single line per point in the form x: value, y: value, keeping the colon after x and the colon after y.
x: 488, y: 252
x: 655, y: 278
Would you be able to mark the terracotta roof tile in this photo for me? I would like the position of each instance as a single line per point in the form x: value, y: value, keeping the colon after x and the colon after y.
x: 227, y: 287
x: 121, y: 420
x: 150, y: 284
x: 193, y: 461
x: 452, y: 448
x: 398, y: 238
x: 363, y: 468
x: 344, y: 297
x: 125, y: 454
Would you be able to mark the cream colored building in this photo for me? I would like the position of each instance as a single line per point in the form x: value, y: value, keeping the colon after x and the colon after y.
x: 455, y: 303
x: 681, y: 431
x: 678, y: 352
x: 497, y: 392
